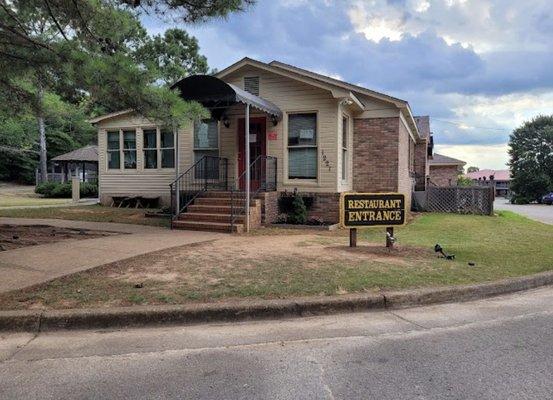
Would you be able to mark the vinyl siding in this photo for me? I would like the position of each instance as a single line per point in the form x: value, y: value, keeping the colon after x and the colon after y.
x: 292, y: 96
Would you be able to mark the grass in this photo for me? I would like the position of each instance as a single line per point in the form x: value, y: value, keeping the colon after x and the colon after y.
x: 14, y: 195
x: 506, y: 245
x: 94, y: 213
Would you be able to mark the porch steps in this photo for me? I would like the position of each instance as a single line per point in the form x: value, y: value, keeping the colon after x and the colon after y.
x: 211, y: 211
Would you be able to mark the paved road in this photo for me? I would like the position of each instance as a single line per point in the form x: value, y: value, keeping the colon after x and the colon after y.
x: 492, y: 349
x: 538, y: 212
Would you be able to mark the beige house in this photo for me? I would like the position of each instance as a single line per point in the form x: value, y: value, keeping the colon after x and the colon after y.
x: 308, y: 133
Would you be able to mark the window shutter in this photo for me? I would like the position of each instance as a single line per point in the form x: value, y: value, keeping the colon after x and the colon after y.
x: 251, y: 85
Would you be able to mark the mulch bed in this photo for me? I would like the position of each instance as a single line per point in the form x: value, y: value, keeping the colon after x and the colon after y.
x: 16, y: 236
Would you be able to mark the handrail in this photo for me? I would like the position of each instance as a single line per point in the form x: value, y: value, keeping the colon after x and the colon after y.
x: 207, y: 172
x: 259, y: 173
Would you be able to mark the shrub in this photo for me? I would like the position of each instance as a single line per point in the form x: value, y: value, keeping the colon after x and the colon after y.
x: 45, y: 188
x: 89, y: 189
x: 298, y: 214
x: 63, y: 190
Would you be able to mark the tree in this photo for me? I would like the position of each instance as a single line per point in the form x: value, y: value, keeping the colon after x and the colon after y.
x: 473, y: 169
x: 464, y: 181
x: 531, y: 159
x: 91, y: 49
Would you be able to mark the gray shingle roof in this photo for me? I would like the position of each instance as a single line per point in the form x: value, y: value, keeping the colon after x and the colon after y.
x: 439, y: 159
x: 87, y: 153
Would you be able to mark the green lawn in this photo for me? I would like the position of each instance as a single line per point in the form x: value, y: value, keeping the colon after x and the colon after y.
x: 95, y: 213
x: 14, y: 195
x: 285, y: 263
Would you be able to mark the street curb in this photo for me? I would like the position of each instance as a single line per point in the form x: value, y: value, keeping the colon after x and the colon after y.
x: 122, y: 317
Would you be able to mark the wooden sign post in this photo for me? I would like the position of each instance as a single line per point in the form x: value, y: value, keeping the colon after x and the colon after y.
x: 361, y: 210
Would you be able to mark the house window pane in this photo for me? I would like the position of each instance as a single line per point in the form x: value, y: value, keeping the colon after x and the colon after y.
x: 150, y: 148
x: 168, y: 158
x: 302, y: 163
x: 167, y: 149
x: 114, y: 160
x: 302, y: 129
x: 150, y: 138
x: 113, y: 140
x: 129, y: 149
x: 302, y: 146
x: 114, y: 157
x: 206, y: 135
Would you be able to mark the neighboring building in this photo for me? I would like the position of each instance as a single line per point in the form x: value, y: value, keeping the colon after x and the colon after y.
x: 314, y: 134
x: 444, y: 170
x: 501, y: 179
x: 82, y: 163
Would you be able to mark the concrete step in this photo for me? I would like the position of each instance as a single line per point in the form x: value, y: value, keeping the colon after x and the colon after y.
x: 213, y: 209
x: 216, y: 194
x: 208, y: 226
x: 206, y: 217
x: 218, y: 201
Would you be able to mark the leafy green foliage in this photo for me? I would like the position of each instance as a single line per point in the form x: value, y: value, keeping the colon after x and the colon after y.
x: 298, y: 214
x: 463, y: 181
x: 531, y: 159
x: 58, y: 190
x: 473, y: 169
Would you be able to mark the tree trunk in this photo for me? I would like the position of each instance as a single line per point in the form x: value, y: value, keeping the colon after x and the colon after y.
x: 42, y: 138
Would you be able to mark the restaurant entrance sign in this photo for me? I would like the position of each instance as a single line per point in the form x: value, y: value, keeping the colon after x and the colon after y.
x: 359, y: 210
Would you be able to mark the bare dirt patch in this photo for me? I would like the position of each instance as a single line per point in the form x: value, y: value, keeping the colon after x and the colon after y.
x: 16, y: 236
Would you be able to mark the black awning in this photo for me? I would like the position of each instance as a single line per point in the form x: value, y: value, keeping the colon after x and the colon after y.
x: 217, y: 95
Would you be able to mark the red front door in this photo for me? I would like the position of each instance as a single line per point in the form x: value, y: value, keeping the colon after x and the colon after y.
x: 258, y: 147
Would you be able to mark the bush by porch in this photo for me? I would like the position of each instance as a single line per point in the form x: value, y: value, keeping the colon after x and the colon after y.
x: 277, y: 263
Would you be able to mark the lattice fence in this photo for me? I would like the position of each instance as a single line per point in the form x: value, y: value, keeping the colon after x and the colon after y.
x: 462, y: 200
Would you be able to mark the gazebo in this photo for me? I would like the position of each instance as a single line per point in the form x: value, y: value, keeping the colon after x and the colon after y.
x: 82, y: 163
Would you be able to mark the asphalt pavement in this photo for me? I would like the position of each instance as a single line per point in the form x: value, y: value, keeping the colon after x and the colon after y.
x: 498, y: 348
x: 539, y: 212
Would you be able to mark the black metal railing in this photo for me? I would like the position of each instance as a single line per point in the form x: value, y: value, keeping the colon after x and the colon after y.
x: 263, y: 178
x: 208, y: 173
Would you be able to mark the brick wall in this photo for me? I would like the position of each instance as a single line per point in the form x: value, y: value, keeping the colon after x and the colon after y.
x: 375, y: 154
x: 444, y: 175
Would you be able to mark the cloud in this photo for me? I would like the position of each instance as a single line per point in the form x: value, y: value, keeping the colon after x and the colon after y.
x: 482, y: 156
x: 478, y: 67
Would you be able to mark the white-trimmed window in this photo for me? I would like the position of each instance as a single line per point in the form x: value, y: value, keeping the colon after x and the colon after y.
x: 129, y: 149
x: 150, y: 148
x: 345, y: 130
x: 114, y: 150
x: 167, y: 148
x: 302, y: 146
x: 158, y: 144
x: 121, y: 145
x: 206, y: 143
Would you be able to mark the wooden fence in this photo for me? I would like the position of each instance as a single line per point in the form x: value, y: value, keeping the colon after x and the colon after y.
x: 461, y: 200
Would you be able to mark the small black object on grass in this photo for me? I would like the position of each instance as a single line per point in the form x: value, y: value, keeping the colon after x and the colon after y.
x: 15, y: 237
x: 439, y: 249
x: 471, y: 264
x: 139, y: 285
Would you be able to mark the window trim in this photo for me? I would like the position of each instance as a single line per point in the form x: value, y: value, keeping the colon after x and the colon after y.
x: 144, y: 149
x: 195, y: 149
x: 304, y: 181
x: 108, y: 150
x: 122, y: 168
x: 160, y: 149
x: 345, y: 149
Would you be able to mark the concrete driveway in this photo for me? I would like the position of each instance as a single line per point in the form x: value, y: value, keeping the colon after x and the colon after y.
x: 539, y: 212
x: 32, y: 265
